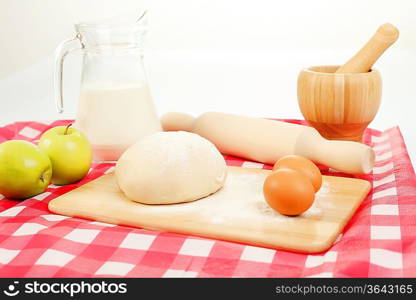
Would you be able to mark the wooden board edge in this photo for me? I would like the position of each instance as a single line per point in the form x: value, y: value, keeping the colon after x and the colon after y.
x: 322, y: 248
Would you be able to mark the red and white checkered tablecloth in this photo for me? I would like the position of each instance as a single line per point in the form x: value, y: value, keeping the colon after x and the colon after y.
x: 379, y: 241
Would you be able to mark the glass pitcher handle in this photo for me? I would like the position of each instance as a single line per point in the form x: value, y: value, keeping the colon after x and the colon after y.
x: 60, y: 53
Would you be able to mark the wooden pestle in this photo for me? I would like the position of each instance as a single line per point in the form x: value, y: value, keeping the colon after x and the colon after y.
x: 267, y: 140
x: 362, y: 62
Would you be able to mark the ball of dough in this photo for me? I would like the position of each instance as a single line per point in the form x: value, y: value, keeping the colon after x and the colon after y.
x: 170, y: 167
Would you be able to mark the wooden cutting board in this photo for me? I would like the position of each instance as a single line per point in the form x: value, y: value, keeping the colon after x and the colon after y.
x: 238, y: 212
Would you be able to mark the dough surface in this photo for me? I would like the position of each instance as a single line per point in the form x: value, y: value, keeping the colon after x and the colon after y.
x: 170, y: 167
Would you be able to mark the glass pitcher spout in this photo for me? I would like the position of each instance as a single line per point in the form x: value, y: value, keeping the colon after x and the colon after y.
x: 112, y: 34
x: 141, y: 18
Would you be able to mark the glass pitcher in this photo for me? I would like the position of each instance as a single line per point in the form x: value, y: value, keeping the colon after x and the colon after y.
x: 115, y: 106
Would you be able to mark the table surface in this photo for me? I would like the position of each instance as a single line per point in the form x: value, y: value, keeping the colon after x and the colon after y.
x: 261, y: 84
x: 379, y: 240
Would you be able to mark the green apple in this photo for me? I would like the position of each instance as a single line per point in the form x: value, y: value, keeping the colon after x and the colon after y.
x: 25, y: 170
x: 69, y: 152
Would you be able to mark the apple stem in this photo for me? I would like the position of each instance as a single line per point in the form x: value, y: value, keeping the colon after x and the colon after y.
x: 66, y: 129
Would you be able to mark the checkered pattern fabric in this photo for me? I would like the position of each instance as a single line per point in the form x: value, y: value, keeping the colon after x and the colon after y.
x: 379, y: 241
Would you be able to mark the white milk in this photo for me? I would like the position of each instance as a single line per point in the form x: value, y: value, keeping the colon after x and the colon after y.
x: 115, y: 116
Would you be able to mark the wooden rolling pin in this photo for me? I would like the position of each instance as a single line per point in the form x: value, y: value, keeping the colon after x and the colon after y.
x: 362, y: 62
x: 267, y: 140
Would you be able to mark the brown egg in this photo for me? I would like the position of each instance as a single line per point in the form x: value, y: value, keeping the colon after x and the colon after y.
x: 288, y: 191
x: 303, y: 165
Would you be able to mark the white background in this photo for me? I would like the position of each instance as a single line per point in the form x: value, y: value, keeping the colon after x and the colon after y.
x: 236, y: 56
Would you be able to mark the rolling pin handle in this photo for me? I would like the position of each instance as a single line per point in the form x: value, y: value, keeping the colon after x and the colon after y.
x: 345, y: 156
x: 176, y: 121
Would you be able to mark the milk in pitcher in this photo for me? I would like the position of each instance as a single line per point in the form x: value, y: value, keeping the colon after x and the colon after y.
x: 114, y: 116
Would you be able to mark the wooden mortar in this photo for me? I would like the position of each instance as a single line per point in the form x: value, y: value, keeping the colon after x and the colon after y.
x: 340, y: 106
x: 340, y: 101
